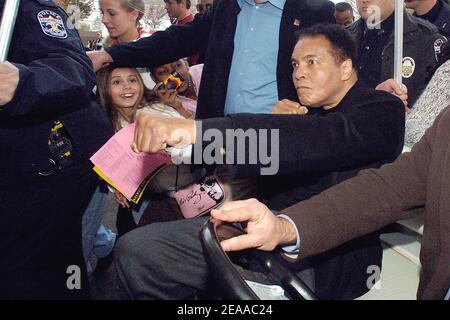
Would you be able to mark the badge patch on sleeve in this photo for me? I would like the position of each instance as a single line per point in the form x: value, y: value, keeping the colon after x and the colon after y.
x: 408, y: 66
x: 437, y: 47
x: 52, y: 24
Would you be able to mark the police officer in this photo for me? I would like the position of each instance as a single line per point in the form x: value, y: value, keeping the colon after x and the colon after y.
x: 374, y: 34
x: 435, y: 11
x: 49, y: 127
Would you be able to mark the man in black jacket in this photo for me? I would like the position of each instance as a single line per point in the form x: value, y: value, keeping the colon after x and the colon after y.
x: 374, y: 35
x: 435, y: 11
x: 348, y: 127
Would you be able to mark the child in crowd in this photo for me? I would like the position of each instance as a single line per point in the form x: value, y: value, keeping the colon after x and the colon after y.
x: 122, y: 19
x: 186, y: 94
x: 123, y: 95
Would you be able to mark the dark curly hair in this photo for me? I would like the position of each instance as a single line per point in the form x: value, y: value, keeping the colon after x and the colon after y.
x: 342, y: 44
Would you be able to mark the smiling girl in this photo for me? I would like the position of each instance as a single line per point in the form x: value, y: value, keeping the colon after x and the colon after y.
x: 123, y: 95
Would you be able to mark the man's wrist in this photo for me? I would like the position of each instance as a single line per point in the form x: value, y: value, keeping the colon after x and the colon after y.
x: 291, y: 236
x: 287, y: 232
x: 108, y: 57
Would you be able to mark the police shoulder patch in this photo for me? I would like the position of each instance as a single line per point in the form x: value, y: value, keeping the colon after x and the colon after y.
x: 52, y: 24
x: 438, y: 46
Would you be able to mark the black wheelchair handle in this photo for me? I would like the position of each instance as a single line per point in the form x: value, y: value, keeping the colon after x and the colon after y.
x: 295, y: 286
x: 232, y: 284
x: 221, y: 267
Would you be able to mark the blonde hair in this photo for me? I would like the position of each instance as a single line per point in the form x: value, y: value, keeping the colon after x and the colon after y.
x: 130, y: 5
x: 138, y: 5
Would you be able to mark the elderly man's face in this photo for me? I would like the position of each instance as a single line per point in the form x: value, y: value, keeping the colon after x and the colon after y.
x: 368, y: 8
x: 317, y: 75
x: 343, y: 18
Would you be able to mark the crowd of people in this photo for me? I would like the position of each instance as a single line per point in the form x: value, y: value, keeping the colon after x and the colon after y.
x: 307, y: 70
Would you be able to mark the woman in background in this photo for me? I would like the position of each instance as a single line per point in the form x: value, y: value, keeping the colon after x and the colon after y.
x: 122, y: 19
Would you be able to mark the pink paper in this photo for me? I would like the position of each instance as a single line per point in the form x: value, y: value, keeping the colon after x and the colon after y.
x: 125, y: 168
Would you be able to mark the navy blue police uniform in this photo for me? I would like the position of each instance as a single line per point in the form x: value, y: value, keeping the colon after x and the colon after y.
x: 48, y: 131
x: 439, y: 15
x: 421, y: 45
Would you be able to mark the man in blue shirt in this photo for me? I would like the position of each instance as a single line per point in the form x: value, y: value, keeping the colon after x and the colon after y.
x: 252, y: 85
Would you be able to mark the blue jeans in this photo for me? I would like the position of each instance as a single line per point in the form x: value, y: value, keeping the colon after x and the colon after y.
x: 95, y: 238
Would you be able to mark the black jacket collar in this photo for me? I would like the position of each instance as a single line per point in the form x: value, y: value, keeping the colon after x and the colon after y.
x: 443, y: 19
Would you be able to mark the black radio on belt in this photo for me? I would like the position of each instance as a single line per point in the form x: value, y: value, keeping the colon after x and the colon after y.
x: 60, y: 146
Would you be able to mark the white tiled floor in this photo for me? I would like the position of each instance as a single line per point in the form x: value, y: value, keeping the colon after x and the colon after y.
x: 399, y: 278
x: 415, y: 224
x: 401, y: 265
x: 406, y: 245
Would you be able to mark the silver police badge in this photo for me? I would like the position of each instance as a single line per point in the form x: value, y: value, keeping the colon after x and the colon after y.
x: 408, y: 67
x: 52, y: 24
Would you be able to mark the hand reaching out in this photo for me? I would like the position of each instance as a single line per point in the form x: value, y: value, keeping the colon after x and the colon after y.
x: 154, y: 133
